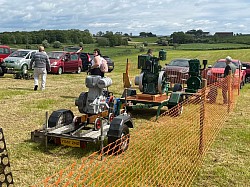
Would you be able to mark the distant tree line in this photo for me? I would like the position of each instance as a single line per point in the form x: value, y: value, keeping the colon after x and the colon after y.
x: 198, y: 36
x: 57, y: 37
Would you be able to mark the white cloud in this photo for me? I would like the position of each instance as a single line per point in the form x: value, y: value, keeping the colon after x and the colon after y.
x: 128, y: 16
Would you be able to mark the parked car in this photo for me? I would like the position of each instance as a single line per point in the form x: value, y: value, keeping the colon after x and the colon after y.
x: 87, y: 58
x: 62, y: 61
x: 5, y: 51
x: 72, y: 48
x: 247, y: 66
x: 110, y: 62
x: 177, y: 70
x: 13, y: 50
x: 216, y: 72
x: 19, y: 59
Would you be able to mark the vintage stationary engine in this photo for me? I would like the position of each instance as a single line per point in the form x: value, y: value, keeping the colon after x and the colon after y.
x: 194, y: 82
x: 151, y: 80
x: 93, y: 101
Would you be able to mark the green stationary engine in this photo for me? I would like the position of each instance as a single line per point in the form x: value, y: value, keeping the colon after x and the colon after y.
x: 194, y: 82
x: 151, y: 80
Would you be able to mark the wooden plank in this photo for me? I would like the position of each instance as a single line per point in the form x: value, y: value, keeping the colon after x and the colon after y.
x: 158, y: 97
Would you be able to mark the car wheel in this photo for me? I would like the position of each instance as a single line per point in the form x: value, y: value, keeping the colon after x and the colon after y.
x: 1, y: 72
x: 241, y: 84
x: 24, y: 68
x: 79, y: 70
x: 248, y: 79
x: 60, y: 70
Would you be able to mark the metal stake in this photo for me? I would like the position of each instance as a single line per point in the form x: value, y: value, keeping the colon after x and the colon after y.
x: 46, y: 131
x: 102, y: 138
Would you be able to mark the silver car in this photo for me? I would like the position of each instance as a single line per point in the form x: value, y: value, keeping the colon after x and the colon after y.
x: 19, y: 60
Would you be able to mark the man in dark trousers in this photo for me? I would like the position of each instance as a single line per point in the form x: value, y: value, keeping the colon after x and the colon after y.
x: 41, y: 66
x: 230, y: 68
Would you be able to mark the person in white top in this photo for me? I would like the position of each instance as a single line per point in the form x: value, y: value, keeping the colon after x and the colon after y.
x: 95, y: 64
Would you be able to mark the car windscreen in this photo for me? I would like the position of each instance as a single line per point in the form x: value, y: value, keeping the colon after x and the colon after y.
x: 71, y: 49
x: 223, y: 65
x: 54, y: 55
x: 4, y: 50
x: 179, y: 62
x: 19, y: 54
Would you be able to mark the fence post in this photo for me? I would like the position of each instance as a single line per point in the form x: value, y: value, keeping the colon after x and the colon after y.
x: 202, y: 116
x: 46, y: 131
x: 229, y: 91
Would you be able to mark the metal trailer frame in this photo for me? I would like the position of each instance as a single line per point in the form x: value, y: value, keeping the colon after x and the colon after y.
x: 74, y: 135
x: 132, y: 100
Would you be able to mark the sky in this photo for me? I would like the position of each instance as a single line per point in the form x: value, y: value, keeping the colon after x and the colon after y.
x: 160, y: 17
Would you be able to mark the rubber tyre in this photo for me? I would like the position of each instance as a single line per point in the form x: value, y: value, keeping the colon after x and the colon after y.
x: 79, y: 70
x: 177, y: 87
x: 119, y: 145
x: 60, y: 71
x: 24, y: 68
x: 247, y: 79
x: 1, y: 72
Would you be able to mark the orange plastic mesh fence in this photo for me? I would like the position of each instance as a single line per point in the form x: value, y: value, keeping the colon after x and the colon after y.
x: 166, y: 152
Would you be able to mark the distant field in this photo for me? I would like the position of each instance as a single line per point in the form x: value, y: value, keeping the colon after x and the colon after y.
x: 201, y: 46
x: 144, y: 39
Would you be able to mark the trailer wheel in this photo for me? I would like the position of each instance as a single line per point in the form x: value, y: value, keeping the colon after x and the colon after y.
x: 177, y: 87
x: 175, y: 110
x: 60, y: 118
x: 111, y: 117
x: 98, y: 124
x: 119, y: 145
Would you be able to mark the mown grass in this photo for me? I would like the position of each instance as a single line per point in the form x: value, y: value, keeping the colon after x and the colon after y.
x: 227, y: 162
x: 23, y: 110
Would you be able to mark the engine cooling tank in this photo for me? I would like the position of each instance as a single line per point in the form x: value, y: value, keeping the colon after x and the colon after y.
x: 104, y: 82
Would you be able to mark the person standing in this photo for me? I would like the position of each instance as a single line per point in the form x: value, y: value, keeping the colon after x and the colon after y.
x: 96, y: 63
x: 229, y: 69
x: 41, y: 67
x: 150, y: 52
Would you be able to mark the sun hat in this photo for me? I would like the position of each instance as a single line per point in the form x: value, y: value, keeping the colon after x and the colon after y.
x: 228, y: 58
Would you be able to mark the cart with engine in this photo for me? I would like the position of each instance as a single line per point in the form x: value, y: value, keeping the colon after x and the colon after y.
x: 155, y: 88
x: 97, y: 120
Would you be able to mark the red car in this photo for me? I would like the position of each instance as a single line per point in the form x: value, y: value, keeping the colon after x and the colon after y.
x: 247, y: 66
x: 5, y: 51
x: 63, y: 61
x: 216, y: 72
x: 177, y: 70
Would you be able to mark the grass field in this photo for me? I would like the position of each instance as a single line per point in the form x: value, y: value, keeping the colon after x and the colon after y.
x: 227, y: 162
x: 23, y: 110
